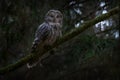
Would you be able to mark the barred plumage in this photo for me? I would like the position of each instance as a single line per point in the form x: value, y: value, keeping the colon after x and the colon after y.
x: 48, y: 32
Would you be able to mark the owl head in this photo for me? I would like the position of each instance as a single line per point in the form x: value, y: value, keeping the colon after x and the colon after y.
x: 54, y: 16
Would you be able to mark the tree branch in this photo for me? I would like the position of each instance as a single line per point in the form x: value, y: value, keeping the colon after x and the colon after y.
x: 65, y: 38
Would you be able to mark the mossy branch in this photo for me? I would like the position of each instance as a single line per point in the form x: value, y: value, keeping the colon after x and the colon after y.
x: 65, y: 38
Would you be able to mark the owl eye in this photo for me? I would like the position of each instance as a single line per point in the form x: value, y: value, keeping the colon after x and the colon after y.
x: 51, y: 16
x: 58, y: 16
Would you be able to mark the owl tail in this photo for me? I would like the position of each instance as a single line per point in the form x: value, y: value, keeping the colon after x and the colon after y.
x: 32, y: 64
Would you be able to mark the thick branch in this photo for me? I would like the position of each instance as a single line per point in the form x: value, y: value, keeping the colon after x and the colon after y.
x: 65, y: 38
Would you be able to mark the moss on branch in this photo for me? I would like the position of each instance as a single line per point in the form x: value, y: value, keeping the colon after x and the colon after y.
x: 65, y: 38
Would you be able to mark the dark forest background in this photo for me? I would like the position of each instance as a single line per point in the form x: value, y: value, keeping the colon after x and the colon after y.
x: 92, y: 55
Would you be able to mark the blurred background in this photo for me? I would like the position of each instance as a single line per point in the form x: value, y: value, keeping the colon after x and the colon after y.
x: 93, y: 54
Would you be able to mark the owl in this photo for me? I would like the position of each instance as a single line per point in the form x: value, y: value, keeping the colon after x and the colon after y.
x: 47, y: 33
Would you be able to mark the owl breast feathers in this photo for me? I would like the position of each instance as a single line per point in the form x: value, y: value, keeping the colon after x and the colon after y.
x: 47, y: 34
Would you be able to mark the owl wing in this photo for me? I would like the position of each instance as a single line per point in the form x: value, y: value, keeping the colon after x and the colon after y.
x: 41, y: 35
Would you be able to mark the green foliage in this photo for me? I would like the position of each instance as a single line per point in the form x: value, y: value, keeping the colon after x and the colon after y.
x: 85, y: 47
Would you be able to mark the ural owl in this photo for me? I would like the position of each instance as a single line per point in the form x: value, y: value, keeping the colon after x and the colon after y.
x: 47, y: 33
